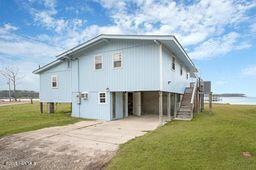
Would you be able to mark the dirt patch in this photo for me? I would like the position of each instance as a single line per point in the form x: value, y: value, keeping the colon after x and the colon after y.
x: 246, y: 154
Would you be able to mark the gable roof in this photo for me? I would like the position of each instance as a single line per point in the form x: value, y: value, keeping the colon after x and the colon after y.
x: 169, y: 41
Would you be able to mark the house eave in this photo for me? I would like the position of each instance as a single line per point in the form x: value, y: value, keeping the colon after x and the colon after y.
x: 47, y: 66
x: 106, y: 37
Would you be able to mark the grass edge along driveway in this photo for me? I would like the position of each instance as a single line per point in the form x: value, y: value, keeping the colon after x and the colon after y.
x: 210, y: 141
x: 27, y: 117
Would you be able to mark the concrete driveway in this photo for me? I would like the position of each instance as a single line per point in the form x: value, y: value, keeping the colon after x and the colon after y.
x: 84, y: 145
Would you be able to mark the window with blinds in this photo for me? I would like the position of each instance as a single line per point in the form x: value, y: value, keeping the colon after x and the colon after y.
x: 117, y: 60
x: 98, y: 62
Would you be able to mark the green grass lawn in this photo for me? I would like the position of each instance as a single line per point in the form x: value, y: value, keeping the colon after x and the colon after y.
x: 27, y: 117
x: 210, y: 141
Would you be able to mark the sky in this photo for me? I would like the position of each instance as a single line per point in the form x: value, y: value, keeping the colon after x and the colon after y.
x: 219, y: 35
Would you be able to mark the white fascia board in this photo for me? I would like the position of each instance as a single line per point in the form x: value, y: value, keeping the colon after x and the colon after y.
x: 184, y: 52
x: 105, y: 37
x: 138, y: 37
x: 45, y: 67
x: 87, y: 43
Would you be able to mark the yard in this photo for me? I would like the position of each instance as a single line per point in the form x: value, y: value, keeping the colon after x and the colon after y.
x: 27, y: 117
x: 224, y: 139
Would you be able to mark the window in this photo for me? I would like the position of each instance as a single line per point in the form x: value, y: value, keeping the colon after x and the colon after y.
x: 181, y: 70
x: 117, y: 60
x: 98, y: 62
x: 102, y: 97
x: 54, y: 81
x: 187, y: 75
x: 173, y: 63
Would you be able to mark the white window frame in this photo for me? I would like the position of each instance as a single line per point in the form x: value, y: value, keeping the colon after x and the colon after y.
x: 57, y: 82
x: 99, y: 55
x: 99, y: 97
x: 173, y: 58
x: 113, y: 65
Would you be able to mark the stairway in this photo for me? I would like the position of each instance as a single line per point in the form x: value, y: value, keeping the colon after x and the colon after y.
x: 185, y: 111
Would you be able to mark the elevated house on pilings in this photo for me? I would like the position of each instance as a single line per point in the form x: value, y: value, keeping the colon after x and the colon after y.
x: 115, y: 76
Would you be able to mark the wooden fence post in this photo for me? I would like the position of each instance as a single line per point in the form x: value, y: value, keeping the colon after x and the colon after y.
x: 210, y: 102
x: 41, y: 107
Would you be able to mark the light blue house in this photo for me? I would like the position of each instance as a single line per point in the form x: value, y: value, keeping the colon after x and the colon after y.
x: 113, y: 76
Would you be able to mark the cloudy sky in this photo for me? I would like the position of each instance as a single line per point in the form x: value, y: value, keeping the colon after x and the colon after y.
x: 219, y: 35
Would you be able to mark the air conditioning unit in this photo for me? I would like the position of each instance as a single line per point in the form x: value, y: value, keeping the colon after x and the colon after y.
x: 84, y: 95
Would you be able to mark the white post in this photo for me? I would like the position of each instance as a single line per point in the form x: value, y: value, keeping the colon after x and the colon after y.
x: 175, y: 105
x: 137, y: 103
x: 181, y: 96
x: 161, y: 108
x: 169, y: 106
x: 126, y: 104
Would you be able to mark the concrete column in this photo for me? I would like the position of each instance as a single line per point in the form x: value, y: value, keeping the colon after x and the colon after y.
x: 137, y: 103
x: 175, y: 105
x: 126, y: 104
x: 123, y: 104
x: 169, y: 106
x: 161, y: 107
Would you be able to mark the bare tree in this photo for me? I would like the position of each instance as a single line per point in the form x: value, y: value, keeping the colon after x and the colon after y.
x: 12, y: 75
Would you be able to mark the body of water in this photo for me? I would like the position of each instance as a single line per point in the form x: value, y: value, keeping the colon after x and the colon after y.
x: 238, y: 100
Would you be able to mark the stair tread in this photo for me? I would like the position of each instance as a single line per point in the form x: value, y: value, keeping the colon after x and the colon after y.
x: 185, y: 110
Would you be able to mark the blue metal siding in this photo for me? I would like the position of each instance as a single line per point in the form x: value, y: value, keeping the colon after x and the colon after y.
x: 177, y: 83
x: 92, y: 109
x: 63, y: 92
x: 139, y: 72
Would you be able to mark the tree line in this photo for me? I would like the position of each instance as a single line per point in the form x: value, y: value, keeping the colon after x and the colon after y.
x: 4, y: 94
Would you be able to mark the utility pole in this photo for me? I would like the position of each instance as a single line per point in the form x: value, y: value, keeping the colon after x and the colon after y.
x: 9, y: 85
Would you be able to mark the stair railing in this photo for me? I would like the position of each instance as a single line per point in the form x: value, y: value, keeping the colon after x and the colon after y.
x: 193, y: 97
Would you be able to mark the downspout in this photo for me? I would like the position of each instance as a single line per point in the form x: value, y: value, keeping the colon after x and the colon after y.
x: 78, y: 85
x: 161, y: 65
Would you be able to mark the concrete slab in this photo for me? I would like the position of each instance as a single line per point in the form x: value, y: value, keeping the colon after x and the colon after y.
x: 84, y: 145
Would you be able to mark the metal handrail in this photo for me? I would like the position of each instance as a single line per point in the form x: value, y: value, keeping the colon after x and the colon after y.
x: 194, y: 92
x: 193, y: 97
